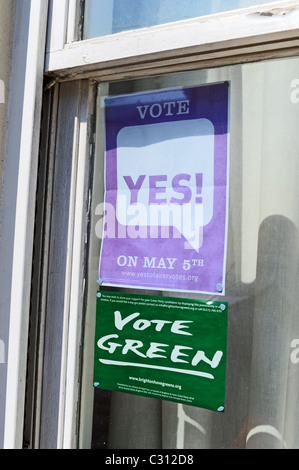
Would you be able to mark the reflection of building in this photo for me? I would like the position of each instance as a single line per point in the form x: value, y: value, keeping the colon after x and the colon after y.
x: 52, y: 176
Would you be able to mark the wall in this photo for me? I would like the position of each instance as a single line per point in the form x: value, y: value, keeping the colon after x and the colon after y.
x: 7, y: 9
x: 7, y: 18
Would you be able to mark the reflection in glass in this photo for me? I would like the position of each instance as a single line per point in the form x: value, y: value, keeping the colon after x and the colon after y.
x: 262, y: 276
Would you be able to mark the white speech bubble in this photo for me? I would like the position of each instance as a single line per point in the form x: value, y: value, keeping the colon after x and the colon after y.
x: 157, y: 166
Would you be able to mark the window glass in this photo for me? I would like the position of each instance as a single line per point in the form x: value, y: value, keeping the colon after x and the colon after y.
x: 112, y: 16
x: 262, y: 402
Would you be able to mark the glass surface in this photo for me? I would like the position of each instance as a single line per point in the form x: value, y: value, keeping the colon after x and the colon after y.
x: 102, y: 17
x: 262, y: 275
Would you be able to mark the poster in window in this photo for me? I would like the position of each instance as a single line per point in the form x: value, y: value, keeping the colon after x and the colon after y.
x: 162, y: 347
x: 164, y: 217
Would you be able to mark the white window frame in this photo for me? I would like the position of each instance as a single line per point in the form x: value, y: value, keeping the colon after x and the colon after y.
x: 237, y: 36
x: 18, y: 202
x: 247, y: 34
x: 244, y: 35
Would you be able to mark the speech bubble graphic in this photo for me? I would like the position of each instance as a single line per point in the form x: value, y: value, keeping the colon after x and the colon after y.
x: 165, y: 176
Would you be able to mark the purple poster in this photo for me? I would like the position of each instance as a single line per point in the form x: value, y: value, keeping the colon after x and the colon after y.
x: 166, y: 189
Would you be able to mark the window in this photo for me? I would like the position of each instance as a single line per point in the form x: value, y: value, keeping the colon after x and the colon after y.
x: 255, y: 48
x: 103, y: 17
x: 263, y: 322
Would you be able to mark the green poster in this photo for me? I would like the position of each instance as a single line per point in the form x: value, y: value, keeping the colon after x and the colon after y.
x: 162, y: 347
